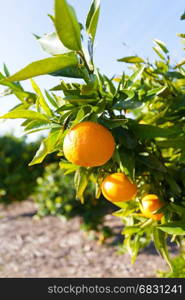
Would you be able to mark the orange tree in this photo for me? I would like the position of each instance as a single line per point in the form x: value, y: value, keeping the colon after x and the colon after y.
x: 126, y: 134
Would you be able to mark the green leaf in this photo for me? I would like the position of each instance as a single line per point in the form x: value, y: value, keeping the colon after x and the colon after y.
x: 91, y: 87
x: 51, y: 144
x: 44, y: 66
x: 124, y: 211
x: 82, y: 99
x: 130, y: 94
x: 161, y: 45
x: 63, y: 164
x: 175, y: 188
x: 6, y: 92
x: 112, y: 123
x: 51, y: 100
x: 67, y: 107
x: 65, y: 116
x: 67, y: 25
x: 70, y: 168
x: 127, y: 104
x: 181, y: 35
x: 127, y: 139
x: 182, y: 16
x: 25, y: 97
x: 162, y: 67
x: 24, y: 114
x: 160, y: 244
x: 175, y: 143
x: 71, y: 72
x: 177, y: 208
x: 79, y: 117
x: 165, y: 91
x: 181, y: 63
x: 17, y: 90
x: 5, y: 82
x: 177, y: 228
x: 182, y: 157
x: 88, y: 58
x: 21, y: 106
x: 109, y: 85
x: 153, y: 92
x: 133, y: 245
x: 157, y: 50
x: 81, y: 182
x: 149, y: 131
x: 128, y: 163
x: 131, y: 59
x: 180, y: 83
x: 137, y: 74
x: 36, y: 124
x: 40, y: 98
x: 92, y: 19
x: 52, y: 44
x: 151, y: 162
x: 36, y: 36
x: 6, y: 71
x: 131, y: 229
x: 52, y: 18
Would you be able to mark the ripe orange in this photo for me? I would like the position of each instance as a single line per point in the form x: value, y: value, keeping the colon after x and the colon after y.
x: 150, y: 204
x: 88, y: 144
x: 117, y: 187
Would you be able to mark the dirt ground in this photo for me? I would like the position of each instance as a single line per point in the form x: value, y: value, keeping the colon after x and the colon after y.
x: 52, y: 247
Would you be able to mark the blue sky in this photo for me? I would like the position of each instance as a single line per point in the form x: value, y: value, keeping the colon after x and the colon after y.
x: 134, y: 23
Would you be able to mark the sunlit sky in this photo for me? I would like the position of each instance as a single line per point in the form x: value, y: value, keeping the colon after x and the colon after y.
x: 126, y: 28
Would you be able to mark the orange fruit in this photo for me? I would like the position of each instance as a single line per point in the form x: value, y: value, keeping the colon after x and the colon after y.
x: 88, y: 144
x: 150, y: 204
x: 117, y: 187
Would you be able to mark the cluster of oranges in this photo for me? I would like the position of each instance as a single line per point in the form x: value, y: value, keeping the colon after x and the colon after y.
x: 90, y: 144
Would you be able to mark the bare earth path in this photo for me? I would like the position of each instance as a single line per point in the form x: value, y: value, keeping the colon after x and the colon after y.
x: 57, y: 248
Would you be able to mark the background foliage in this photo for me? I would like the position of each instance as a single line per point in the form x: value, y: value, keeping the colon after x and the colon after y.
x: 17, y: 180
